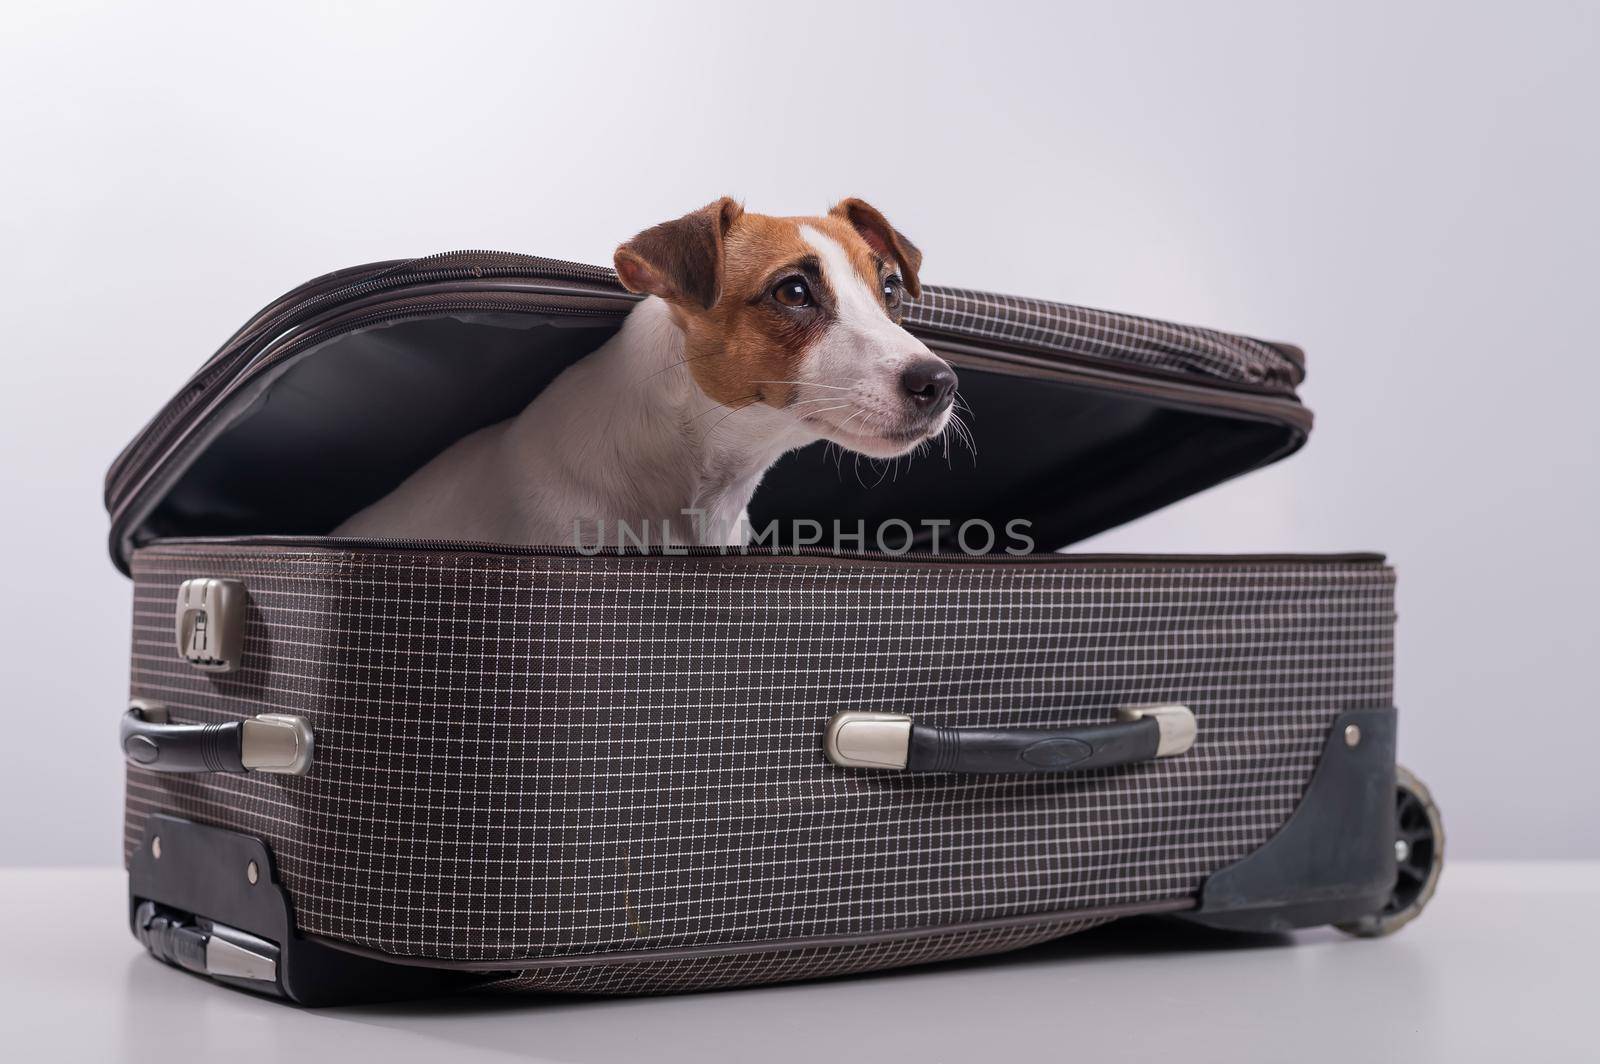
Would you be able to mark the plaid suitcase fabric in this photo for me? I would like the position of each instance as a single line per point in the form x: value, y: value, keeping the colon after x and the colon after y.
x: 525, y: 757
x: 673, y: 975
x: 1125, y: 340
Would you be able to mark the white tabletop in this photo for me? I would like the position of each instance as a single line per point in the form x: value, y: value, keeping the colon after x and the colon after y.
x: 1501, y: 967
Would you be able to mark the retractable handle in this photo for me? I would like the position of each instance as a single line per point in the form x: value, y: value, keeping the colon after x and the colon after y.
x: 268, y: 742
x: 893, y: 741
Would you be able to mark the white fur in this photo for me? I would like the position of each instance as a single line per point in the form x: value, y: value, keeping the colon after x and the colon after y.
x: 624, y: 434
x: 864, y: 351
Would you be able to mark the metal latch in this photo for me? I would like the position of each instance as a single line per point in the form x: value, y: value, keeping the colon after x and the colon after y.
x: 210, y: 623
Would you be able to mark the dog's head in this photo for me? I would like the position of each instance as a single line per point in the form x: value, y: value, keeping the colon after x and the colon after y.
x: 802, y: 315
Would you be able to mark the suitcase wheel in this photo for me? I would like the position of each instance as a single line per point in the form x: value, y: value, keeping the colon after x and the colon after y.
x: 1419, y: 857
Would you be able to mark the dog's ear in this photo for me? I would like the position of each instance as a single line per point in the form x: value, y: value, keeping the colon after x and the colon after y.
x: 883, y: 238
x: 681, y: 260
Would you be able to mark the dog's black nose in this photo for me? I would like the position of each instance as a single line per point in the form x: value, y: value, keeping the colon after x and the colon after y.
x: 930, y: 384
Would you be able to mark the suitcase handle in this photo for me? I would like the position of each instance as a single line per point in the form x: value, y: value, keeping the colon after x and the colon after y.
x: 268, y: 742
x: 856, y: 739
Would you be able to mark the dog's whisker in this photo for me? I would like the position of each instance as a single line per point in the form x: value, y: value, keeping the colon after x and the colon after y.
x: 675, y: 365
x: 967, y: 434
x: 754, y: 400
x: 851, y: 418
x: 964, y: 434
x: 813, y: 384
x: 744, y: 401
x: 954, y: 433
x: 843, y: 425
x: 883, y: 471
x: 816, y: 415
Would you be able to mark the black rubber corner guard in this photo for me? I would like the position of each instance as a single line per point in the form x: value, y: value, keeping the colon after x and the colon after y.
x: 1333, y: 859
x: 202, y: 871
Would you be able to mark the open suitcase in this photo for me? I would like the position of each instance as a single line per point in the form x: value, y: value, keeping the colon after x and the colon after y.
x: 365, y: 769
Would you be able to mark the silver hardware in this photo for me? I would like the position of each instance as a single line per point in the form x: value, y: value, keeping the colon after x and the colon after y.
x: 858, y: 739
x: 151, y: 710
x: 141, y: 749
x: 252, y: 872
x: 234, y: 954
x: 1352, y: 735
x: 155, y: 847
x: 210, y: 623
x: 1176, y: 722
x: 1402, y: 850
x: 277, y: 743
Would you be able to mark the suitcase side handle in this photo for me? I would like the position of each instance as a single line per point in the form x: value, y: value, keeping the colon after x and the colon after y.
x: 268, y: 742
x: 893, y: 741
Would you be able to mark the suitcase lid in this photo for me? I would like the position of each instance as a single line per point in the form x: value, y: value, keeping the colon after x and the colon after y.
x: 331, y: 395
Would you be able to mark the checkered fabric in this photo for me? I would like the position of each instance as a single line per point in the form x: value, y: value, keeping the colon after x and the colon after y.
x: 523, y: 756
x: 675, y: 975
x: 1122, y: 340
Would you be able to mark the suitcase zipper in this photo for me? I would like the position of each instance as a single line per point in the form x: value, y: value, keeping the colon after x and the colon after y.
x: 803, y: 554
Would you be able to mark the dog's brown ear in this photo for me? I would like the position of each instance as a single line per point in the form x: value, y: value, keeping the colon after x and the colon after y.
x: 883, y: 238
x: 681, y: 260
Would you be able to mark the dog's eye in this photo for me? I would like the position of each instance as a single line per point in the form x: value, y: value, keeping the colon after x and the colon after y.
x: 893, y: 287
x: 793, y: 292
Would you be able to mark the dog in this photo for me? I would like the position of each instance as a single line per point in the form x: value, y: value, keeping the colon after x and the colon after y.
x: 758, y: 335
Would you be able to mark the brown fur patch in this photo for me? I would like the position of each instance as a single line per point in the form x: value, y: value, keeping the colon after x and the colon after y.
x: 745, y: 347
x: 680, y: 260
x: 884, y: 238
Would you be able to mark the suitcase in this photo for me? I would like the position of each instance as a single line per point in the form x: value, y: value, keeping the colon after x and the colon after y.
x: 366, y: 769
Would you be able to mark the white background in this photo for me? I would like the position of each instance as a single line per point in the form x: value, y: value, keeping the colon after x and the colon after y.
x: 1407, y: 190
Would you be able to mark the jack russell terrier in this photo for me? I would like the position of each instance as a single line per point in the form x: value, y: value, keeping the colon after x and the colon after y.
x: 759, y: 335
